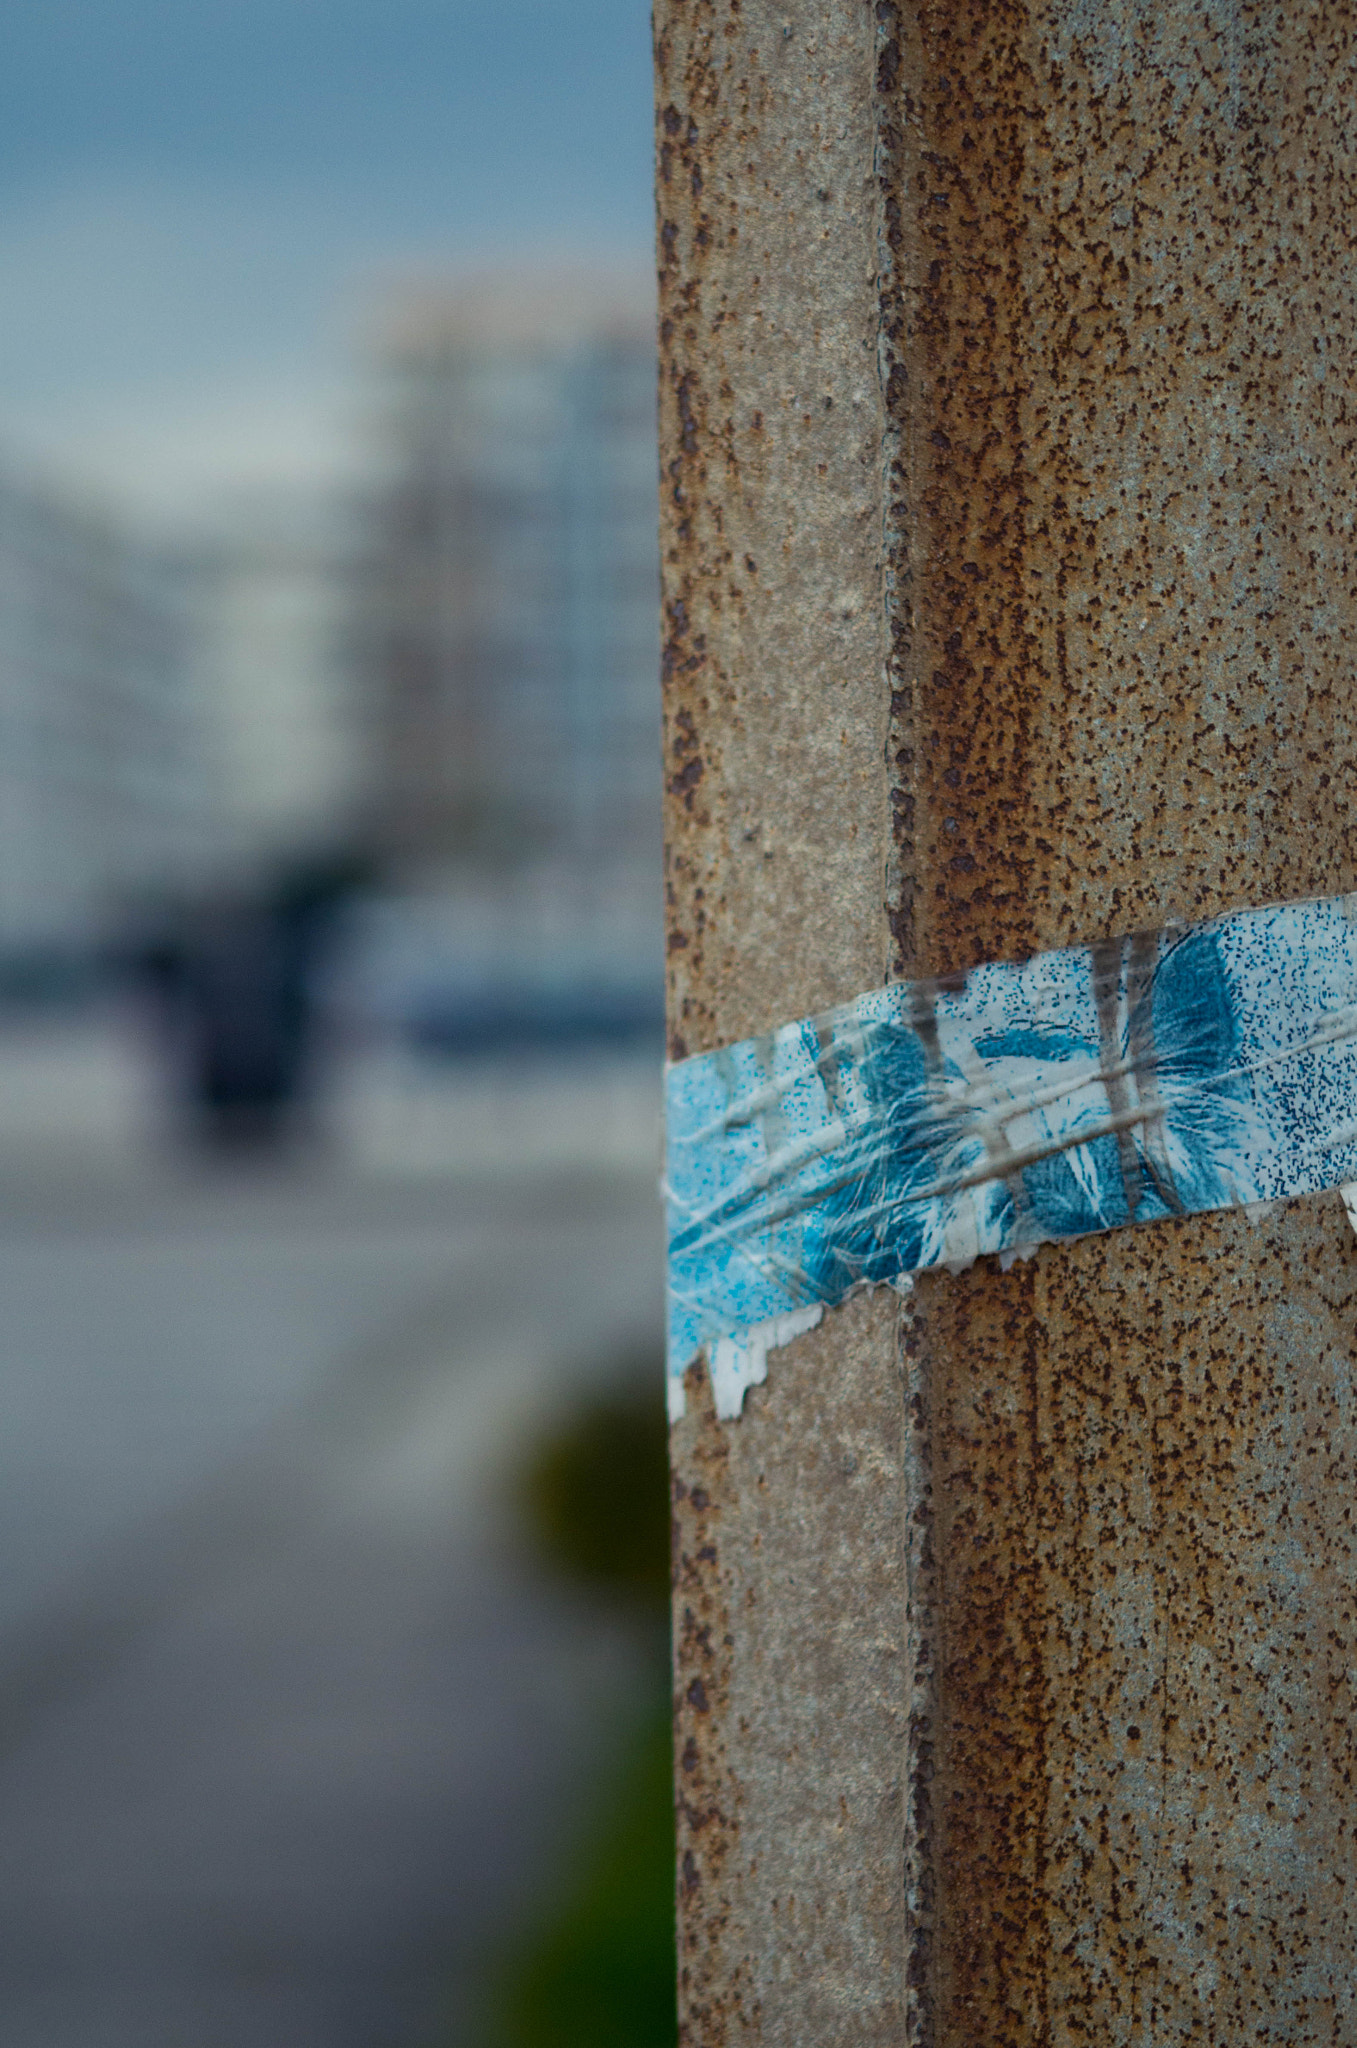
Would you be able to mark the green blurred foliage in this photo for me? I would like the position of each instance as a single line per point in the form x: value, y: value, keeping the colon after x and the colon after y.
x: 596, y: 1495
x: 601, y: 1972
x: 598, y: 1971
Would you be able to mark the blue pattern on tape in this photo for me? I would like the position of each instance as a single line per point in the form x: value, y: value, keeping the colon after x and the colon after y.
x: 930, y: 1122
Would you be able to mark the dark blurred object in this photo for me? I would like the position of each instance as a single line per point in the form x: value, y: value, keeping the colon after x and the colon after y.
x: 601, y: 1972
x: 596, y: 1495
x: 247, y: 1019
x: 236, y: 978
x: 543, y: 1018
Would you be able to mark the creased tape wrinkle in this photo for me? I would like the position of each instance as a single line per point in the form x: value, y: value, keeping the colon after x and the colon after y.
x: 927, y: 1124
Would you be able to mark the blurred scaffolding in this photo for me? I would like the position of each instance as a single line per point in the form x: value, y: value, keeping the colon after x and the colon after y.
x: 506, y: 632
x: 102, y: 767
x: 428, y: 700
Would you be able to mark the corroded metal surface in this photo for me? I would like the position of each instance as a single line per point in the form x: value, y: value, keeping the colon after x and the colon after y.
x: 788, y: 1644
x: 771, y: 513
x: 789, y: 1735
x: 1088, y: 1614
x: 1124, y: 310
x: 1126, y: 319
x: 1143, y: 1575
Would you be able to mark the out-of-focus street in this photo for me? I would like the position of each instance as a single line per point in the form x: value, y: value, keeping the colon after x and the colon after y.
x: 290, y: 1728
x: 331, y: 1019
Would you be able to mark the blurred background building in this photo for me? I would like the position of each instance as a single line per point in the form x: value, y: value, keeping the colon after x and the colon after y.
x: 266, y: 588
x: 102, y: 765
x: 507, y: 649
x: 331, y: 814
x: 333, y: 1687
x: 510, y: 617
x: 440, y: 679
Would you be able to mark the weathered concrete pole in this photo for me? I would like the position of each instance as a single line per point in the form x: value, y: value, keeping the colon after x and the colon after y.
x: 1009, y: 404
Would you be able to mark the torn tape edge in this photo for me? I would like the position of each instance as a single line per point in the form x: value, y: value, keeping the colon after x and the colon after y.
x: 739, y: 1360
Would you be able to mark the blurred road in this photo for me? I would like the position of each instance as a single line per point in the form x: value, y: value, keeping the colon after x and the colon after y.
x: 287, y: 1725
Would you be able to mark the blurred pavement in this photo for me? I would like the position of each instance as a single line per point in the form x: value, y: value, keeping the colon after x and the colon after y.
x: 288, y: 1727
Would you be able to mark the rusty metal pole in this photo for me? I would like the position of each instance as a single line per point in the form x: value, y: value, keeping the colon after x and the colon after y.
x: 1009, y: 395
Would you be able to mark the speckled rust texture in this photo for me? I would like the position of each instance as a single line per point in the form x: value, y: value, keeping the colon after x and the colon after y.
x: 790, y: 1740
x: 1124, y: 316
x: 1144, y: 1476
x: 789, y: 1584
x: 1119, y: 311
x: 1087, y: 1632
x: 775, y: 718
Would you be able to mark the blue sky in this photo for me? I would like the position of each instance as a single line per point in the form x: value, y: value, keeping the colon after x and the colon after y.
x: 202, y: 200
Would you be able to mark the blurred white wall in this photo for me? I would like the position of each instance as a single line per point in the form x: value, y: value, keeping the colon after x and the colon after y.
x: 101, y: 770
x: 267, y: 598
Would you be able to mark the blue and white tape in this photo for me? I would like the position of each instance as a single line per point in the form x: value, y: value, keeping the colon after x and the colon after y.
x: 1158, y: 1075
